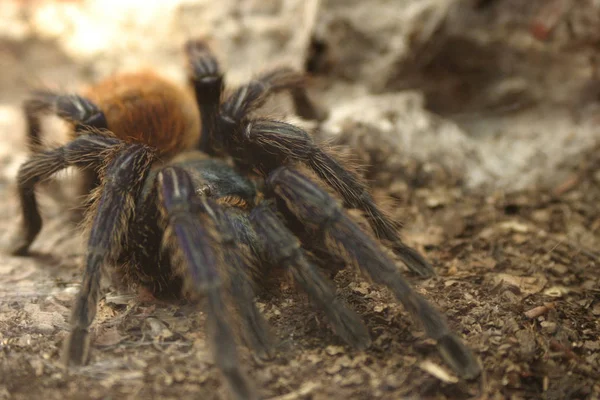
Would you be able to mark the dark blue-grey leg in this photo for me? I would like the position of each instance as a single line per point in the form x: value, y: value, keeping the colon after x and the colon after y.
x: 270, y: 144
x: 282, y: 248
x: 207, y: 81
x: 121, y: 184
x: 194, y: 242
x: 253, y: 95
x: 85, y: 152
x: 77, y: 109
x: 327, y: 223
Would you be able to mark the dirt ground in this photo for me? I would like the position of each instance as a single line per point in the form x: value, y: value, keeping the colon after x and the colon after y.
x: 518, y: 276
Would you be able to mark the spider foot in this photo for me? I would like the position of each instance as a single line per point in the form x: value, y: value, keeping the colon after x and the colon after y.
x: 18, y: 246
x: 412, y: 259
x: 459, y: 356
x: 76, y: 347
x: 21, y: 240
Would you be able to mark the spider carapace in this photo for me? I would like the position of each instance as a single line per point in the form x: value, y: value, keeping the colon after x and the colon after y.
x: 191, y: 194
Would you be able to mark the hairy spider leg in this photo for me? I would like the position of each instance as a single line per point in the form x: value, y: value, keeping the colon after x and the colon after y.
x: 86, y: 151
x: 82, y: 113
x: 124, y: 176
x: 196, y: 244
x: 229, y: 196
x: 205, y: 77
x: 283, y: 249
x: 242, y: 266
x: 74, y: 108
x: 122, y: 182
x: 267, y: 144
x: 146, y: 261
x: 329, y: 224
x: 207, y: 80
x: 271, y: 242
x: 255, y: 93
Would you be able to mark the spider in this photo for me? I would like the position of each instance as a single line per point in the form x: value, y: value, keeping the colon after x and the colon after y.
x: 190, y: 195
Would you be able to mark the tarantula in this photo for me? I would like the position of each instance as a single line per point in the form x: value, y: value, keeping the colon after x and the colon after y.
x: 198, y: 198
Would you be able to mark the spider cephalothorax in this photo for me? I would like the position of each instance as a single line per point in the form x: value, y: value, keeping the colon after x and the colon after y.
x: 174, y: 216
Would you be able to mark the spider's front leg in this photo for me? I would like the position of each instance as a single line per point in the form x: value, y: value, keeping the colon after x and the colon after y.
x: 327, y: 223
x: 269, y: 144
x: 122, y: 183
x: 194, y: 243
x: 241, y: 266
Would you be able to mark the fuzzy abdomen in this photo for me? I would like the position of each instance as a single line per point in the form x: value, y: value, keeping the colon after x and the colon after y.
x: 145, y: 108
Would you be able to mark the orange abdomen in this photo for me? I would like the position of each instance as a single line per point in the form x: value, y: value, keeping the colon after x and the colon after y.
x: 145, y: 108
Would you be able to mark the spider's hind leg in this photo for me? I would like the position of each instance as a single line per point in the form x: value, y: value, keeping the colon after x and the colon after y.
x: 82, y: 112
x: 255, y: 93
x: 327, y: 223
x: 206, y: 78
x: 86, y: 151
